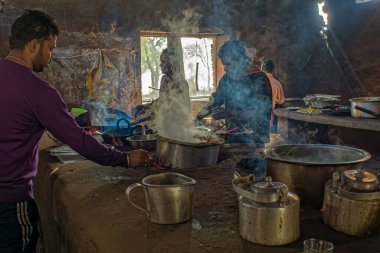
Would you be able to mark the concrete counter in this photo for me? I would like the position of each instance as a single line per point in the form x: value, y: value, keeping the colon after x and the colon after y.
x: 84, y: 209
x: 349, y: 122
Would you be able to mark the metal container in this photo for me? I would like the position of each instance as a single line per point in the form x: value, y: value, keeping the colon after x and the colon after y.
x: 268, y: 213
x: 147, y: 142
x: 169, y: 197
x: 182, y: 155
x: 371, y: 104
x: 321, y: 100
x: 350, y: 209
x: 305, y: 168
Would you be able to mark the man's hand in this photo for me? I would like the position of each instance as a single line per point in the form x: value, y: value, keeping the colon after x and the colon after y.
x: 139, y: 158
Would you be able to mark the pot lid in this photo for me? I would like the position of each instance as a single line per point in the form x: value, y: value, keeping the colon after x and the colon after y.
x: 267, y: 191
x: 360, y: 179
x: 262, y: 192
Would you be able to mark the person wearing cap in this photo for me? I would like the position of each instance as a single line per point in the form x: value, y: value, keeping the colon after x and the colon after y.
x: 245, y: 95
x: 278, y: 97
x: 28, y: 107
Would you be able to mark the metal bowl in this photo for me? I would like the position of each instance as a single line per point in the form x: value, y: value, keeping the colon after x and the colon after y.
x: 305, y: 168
x: 147, y: 142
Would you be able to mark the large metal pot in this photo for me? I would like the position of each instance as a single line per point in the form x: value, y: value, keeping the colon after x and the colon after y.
x: 182, y: 155
x: 305, y: 168
x: 365, y: 107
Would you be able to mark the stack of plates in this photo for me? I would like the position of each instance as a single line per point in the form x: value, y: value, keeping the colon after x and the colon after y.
x: 65, y: 154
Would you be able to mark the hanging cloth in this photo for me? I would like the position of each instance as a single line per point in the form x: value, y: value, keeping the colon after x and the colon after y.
x: 103, y: 79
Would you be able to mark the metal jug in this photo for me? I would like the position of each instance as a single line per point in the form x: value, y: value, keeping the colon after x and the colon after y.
x: 352, y: 202
x: 268, y: 213
x: 169, y: 197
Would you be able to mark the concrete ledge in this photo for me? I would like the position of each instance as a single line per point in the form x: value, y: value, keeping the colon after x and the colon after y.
x: 366, y: 124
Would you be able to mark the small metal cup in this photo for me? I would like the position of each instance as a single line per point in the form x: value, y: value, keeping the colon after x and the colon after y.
x: 317, y: 246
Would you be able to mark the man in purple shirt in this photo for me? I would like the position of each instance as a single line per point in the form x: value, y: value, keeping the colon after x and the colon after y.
x: 28, y: 106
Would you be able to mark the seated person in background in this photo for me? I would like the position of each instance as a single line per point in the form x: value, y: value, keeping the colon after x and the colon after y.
x: 173, y: 86
x: 278, y: 97
x: 246, y: 97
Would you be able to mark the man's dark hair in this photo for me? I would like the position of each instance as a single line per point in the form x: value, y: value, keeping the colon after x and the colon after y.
x: 32, y: 24
x: 267, y: 66
x: 234, y: 48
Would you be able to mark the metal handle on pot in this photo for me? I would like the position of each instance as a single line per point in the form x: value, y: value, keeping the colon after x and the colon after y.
x: 366, y: 111
x: 120, y: 120
x: 127, y: 192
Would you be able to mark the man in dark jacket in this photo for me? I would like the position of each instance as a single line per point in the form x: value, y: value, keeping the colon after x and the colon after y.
x: 246, y: 97
x: 28, y: 106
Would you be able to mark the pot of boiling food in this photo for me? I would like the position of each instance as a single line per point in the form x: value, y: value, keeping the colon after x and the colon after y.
x: 168, y: 196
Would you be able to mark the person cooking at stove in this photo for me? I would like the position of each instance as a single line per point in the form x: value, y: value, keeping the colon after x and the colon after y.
x: 174, y: 90
x: 245, y: 95
x: 28, y: 107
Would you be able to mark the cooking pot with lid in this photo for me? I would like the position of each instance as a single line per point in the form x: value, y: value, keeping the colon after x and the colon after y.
x: 352, y: 202
x: 268, y: 213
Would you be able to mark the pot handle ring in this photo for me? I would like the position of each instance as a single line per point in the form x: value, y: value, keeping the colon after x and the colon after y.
x: 127, y: 193
x: 123, y: 119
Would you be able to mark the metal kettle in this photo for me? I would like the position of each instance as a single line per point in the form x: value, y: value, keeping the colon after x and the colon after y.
x: 268, y: 213
x: 352, y: 202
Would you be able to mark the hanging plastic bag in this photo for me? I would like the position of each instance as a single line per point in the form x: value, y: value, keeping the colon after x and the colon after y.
x: 103, y: 80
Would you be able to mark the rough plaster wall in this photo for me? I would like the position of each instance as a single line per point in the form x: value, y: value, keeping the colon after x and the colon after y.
x: 286, y: 31
x: 357, y: 27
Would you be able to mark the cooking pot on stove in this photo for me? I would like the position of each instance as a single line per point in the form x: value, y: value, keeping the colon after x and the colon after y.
x: 268, y: 213
x: 305, y: 168
x: 352, y: 202
x: 182, y: 155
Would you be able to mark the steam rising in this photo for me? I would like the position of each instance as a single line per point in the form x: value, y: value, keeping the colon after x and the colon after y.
x: 173, y: 111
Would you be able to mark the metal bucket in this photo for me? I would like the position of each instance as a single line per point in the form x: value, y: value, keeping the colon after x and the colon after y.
x: 169, y: 197
x: 182, y: 155
x: 305, y: 168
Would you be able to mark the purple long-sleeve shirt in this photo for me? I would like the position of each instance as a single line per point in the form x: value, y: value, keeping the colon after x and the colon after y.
x: 28, y: 106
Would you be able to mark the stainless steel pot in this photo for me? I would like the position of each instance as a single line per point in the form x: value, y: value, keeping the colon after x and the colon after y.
x: 321, y: 100
x: 268, y: 213
x: 365, y: 107
x: 147, y: 142
x: 169, y: 197
x: 305, y: 168
x: 349, y: 210
x: 182, y: 155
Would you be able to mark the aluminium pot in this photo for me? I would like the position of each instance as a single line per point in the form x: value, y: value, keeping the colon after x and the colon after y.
x: 365, y: 107
x: 268, y: 213
x: 351, y: 208
x: 305, y: 168
x: 182, y: 155
x: 147, y: 142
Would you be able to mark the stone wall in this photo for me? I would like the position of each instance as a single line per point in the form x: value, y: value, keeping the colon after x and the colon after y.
x: 289, y: 32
